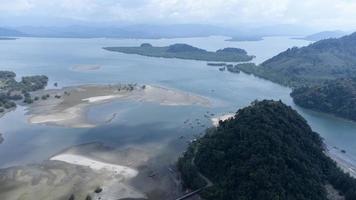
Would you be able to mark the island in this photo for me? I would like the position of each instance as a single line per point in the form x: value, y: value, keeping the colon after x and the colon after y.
x: 337, y: 97
x: 185, y: 51
x: 266, y: 151
x: 12, y: 91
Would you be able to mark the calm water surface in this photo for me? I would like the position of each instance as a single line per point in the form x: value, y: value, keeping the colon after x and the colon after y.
x: 137, y: 123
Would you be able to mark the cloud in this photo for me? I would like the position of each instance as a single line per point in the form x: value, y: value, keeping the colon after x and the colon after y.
x: 15, y: 6
x: 321, y: 13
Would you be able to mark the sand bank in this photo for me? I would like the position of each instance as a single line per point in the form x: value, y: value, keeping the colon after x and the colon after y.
x: 96, y: 165
x: 56, y: 180
x: 85, y: 68
x: 70, y: 108
x: 99, y: 98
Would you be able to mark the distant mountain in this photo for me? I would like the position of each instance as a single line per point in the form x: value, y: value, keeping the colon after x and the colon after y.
x: 75, y: 32
x: 281, y: 30
x: 7, y: 38
x: 5, y: 32
x: 240, y: 33
x: 248, y: 33
x: 132, y: 31
x: 324, y: 35
x: 180, y: 30
x: 266, y: 152
x: 313, y: 64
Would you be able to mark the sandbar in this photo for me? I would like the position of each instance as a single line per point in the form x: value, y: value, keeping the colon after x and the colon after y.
x: 70, y: 107
x: 96, y: 165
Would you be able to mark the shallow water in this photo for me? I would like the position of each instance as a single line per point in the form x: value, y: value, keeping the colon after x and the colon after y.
x: 134, y: 122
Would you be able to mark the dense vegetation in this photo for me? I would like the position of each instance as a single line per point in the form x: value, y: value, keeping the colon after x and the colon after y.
x: 184, y: 51
x: 266, y: 152
x: 334, y: 96
x: 320, y: 61
x: 321, y: 74
x: 12, y: 90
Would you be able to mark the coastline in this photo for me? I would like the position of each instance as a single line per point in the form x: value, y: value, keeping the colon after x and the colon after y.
x: 343, y: 160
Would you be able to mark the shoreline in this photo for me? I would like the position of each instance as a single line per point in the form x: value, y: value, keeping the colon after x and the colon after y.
x: 343, y: 160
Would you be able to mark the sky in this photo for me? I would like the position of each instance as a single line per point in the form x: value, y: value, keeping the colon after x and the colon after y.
x: 323, y: 14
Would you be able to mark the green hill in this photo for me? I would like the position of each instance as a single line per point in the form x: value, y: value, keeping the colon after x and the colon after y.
x: 185, y: 51
x: 336, y: 96
x: 267, y: 152
x: 321, y: 74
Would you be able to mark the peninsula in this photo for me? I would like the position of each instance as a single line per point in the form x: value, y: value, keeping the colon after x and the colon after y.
x: 320, y: 74
x: 266, y: 151
x: 323, y: 60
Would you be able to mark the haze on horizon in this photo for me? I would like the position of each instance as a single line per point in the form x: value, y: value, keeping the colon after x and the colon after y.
x: 313, y: 14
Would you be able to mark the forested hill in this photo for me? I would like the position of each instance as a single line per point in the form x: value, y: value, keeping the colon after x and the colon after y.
x: 185, y: 51
x: 267, y: 152
x: 337, y: 97
x: 322, y: 60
